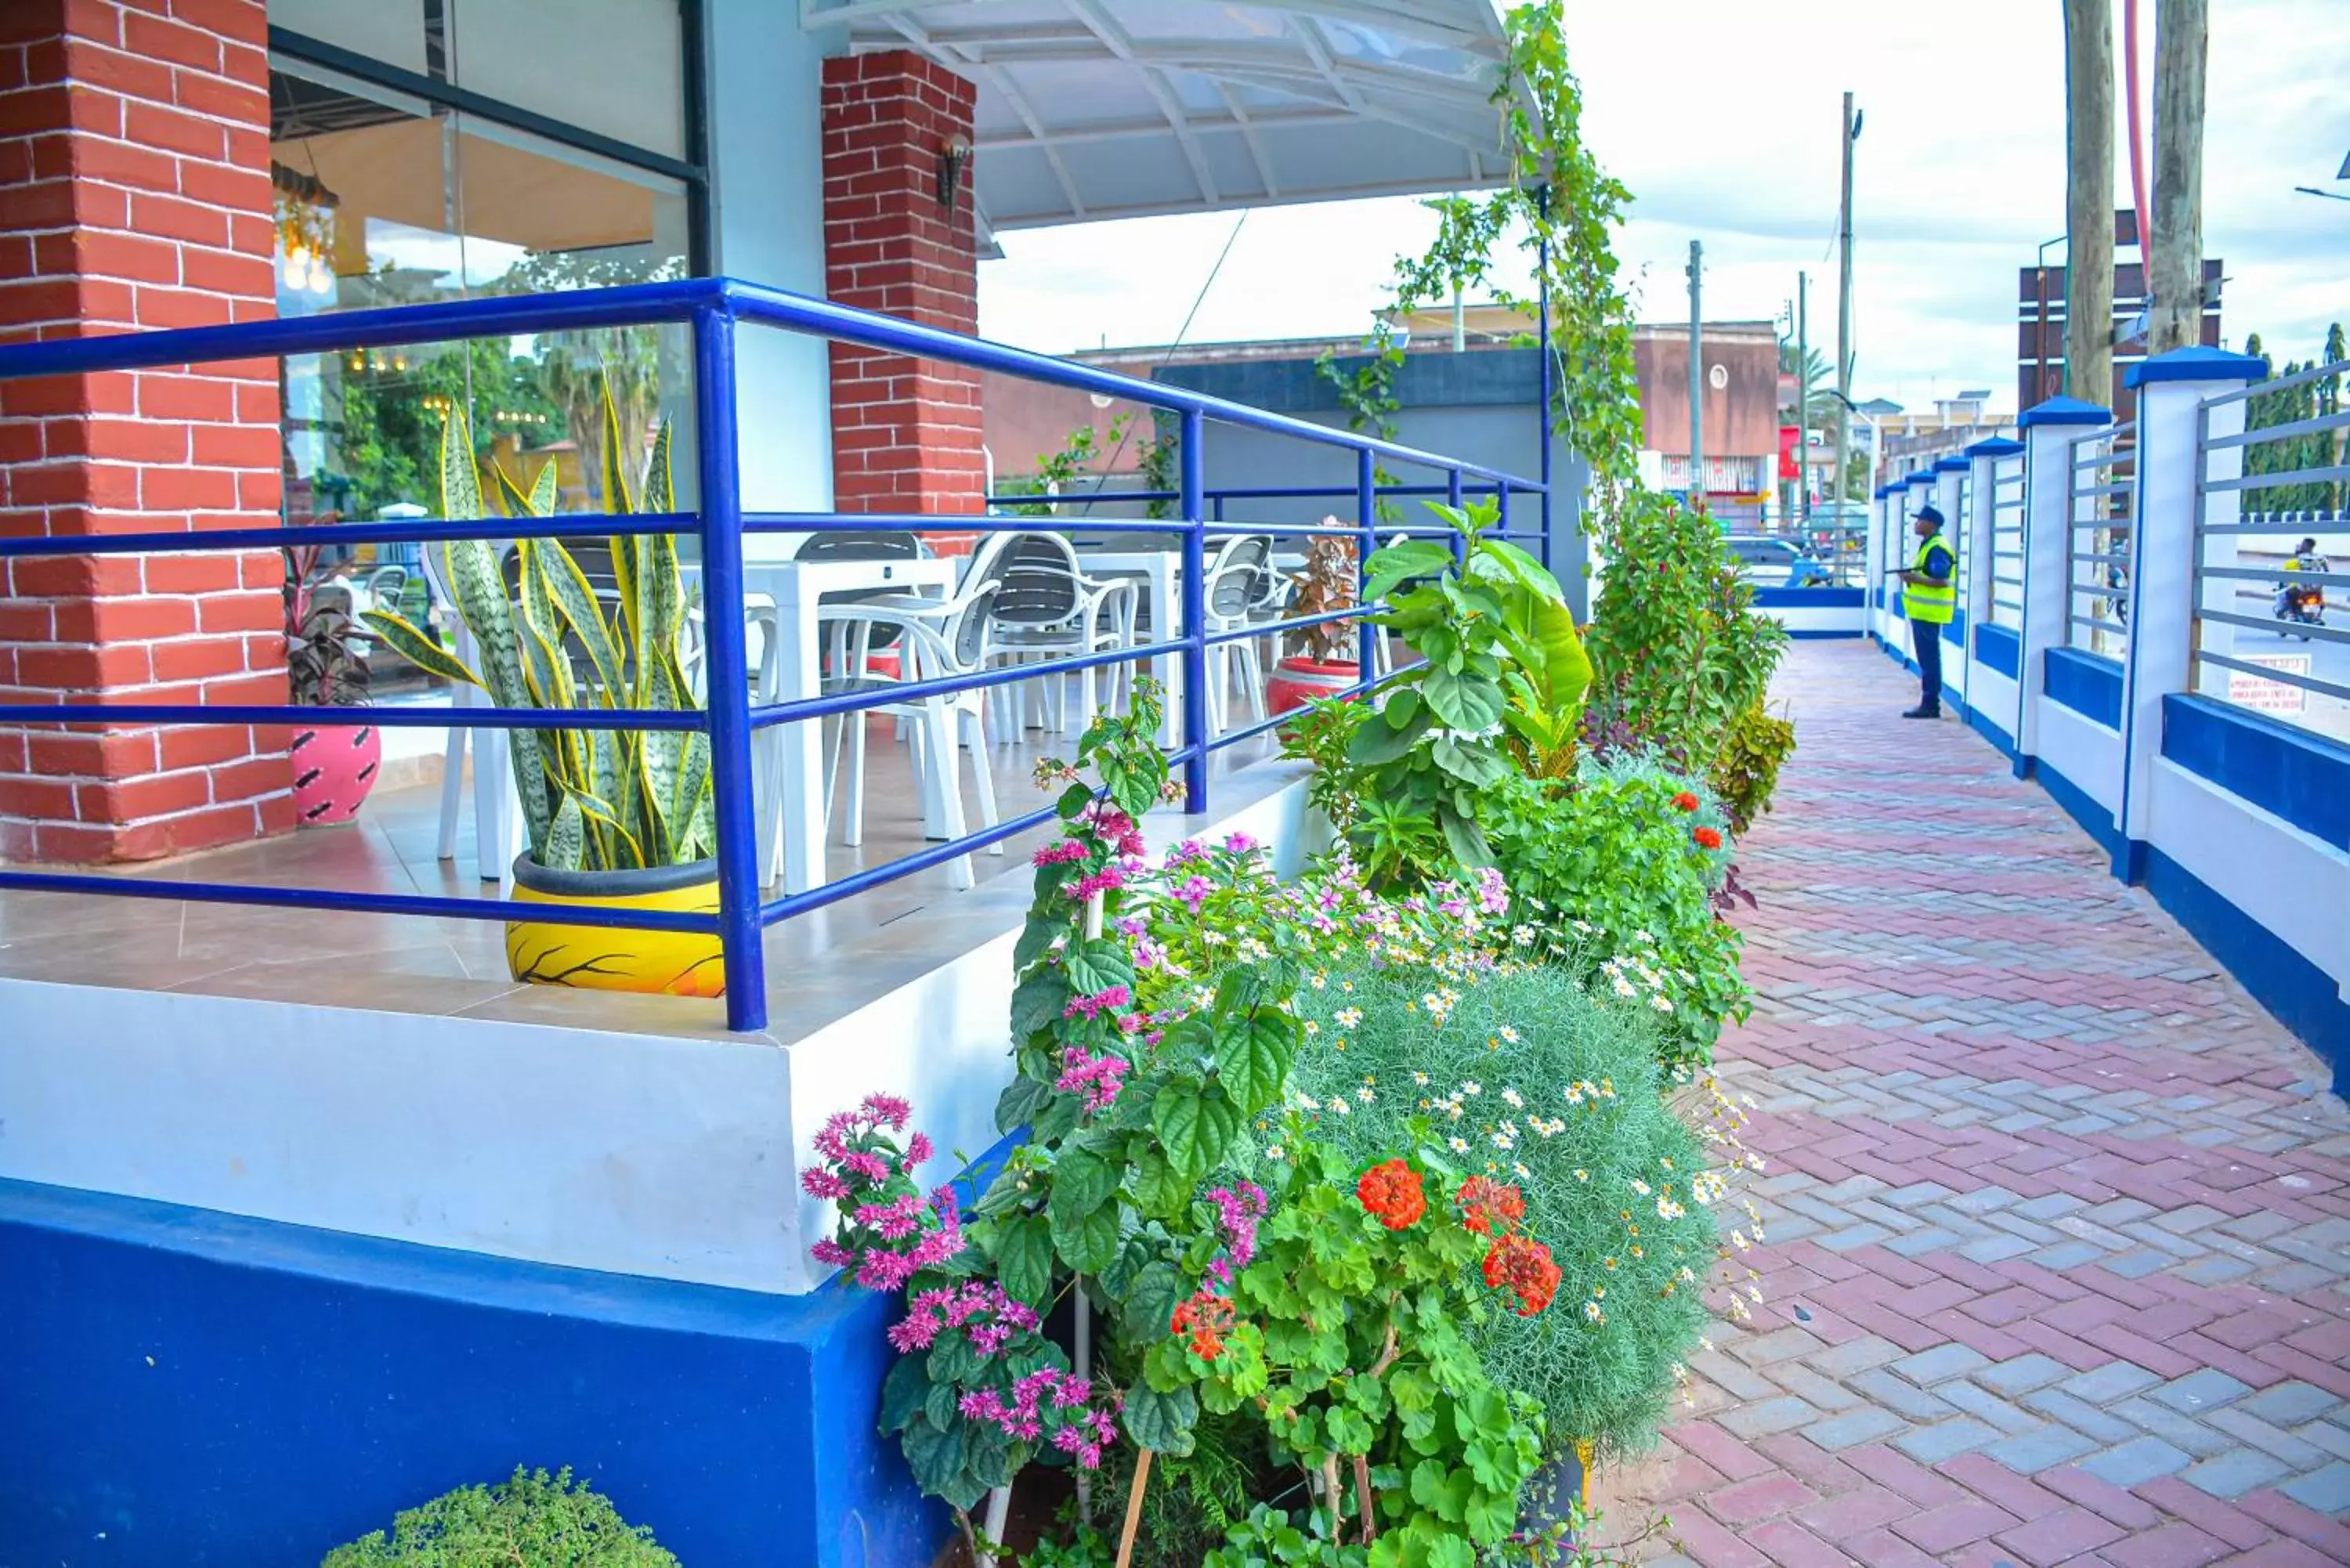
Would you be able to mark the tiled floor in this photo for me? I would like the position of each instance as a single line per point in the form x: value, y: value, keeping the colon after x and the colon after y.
x: 2059, y: 1234
x: 411, y: 964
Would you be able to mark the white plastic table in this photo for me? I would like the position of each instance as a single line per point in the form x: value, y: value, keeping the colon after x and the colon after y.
x: 792, y: 755
x: 1162, y: 572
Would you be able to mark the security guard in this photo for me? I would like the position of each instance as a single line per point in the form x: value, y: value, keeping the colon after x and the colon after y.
x: 1929, y: 596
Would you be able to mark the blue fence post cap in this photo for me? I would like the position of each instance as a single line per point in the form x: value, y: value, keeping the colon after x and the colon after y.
x: 1997, y: 446
x: 2065, y: 411
x: 2196, y: 364
x: 1893, y: 489
x: 1923, y: 476
x: 1950, y: 465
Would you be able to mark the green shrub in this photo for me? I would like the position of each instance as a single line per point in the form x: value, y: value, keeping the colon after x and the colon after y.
x: 1746, y: 771
x: 1678, y: 650
x: 1615, y: 874
x: 1523, y: 1077
x: 532, y: 1520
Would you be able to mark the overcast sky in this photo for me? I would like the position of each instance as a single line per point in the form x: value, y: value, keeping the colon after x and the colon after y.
x: 1722, y: 117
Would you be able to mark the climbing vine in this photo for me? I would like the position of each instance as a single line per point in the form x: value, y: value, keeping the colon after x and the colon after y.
x: 1559, y: 209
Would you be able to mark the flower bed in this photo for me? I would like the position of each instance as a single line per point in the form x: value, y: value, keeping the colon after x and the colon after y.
x: 1342, y: 1206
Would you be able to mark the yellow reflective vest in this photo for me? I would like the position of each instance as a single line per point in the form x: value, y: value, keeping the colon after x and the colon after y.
x: 1932, y: 605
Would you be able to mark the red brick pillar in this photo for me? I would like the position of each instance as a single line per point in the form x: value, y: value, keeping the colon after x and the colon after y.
x: 135, y: 192
x: 905, y: 433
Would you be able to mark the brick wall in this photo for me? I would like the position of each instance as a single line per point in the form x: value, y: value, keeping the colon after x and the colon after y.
x: 135, y: 192
x: 905, y: 433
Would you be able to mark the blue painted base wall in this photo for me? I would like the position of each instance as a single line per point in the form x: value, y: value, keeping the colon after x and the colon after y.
x: 186, y: 1389
x: 2302, y: 996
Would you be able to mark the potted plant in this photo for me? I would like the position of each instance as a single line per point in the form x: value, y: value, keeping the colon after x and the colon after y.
x: 617, y: 818
x: 1311, y: 668
x: 334, y: 765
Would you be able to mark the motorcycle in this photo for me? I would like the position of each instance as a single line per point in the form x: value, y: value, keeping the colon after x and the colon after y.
x: 2299, y: 604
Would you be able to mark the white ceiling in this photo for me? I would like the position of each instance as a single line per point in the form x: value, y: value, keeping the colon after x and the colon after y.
x: 1119, y: 108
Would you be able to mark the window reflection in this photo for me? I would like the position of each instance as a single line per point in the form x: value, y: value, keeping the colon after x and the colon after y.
x: 387, y: 200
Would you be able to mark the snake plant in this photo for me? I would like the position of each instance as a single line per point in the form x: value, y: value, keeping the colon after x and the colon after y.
x: 597, y: 800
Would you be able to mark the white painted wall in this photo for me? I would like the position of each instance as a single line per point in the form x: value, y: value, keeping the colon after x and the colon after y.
x: 2082, y: 749
x: 638, y: 1154
x: 1842, y: 621
x: 767, y: 195
x: 1992, y: 695
x: 2295, y: 885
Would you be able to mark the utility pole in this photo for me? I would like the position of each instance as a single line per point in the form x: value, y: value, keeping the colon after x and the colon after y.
x: 2175, y: 259
x: 1802, y: 399
x: 1696, y: 377
x: 1843, y: 316
x: 2089, y: 200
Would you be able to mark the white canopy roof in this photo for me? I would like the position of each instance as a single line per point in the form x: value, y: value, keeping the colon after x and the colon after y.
x: 1119, y: 108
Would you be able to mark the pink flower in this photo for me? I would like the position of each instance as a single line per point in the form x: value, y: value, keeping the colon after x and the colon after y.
x: 1100, y: 1002
x: 823, y: 1183
x: 1055, y: 854
x: 1194, y: 891
x: 1189, y: 849
x: 1493, y: 891
x: 888, y: 1109
x: 1108, y: 879
x: 832, y: 1253
x: 918, y: 1148
x: 1241, y: 844
x: 1098, y: 1078
x: 864, y: 1163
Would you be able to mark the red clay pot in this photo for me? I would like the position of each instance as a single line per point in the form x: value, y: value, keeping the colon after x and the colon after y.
x: 1297, y: 679
x: 334, y: 765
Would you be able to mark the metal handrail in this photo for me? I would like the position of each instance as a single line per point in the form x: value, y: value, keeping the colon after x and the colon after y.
x: 713, y: 308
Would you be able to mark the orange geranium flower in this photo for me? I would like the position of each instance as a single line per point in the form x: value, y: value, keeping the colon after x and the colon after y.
x: 1523, y: 1266
x: 1490, y: 1207
x: 1707, y: 837
x: 1206, y: 1317
x: 1686, y: 801
x: 1392, y: 1190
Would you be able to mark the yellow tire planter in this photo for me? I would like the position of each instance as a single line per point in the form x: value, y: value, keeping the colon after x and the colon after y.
x: 614, y: 958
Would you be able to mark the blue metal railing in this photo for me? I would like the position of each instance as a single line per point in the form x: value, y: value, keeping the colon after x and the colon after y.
x: 714, y: 308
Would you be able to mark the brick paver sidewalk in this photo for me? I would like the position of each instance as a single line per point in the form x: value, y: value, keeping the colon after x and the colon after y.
x: 2058, y: 1234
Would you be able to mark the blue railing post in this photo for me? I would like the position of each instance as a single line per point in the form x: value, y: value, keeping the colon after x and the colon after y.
x: 1195, y: 612
x: 1367, y: 503
x: 1453, y: 499
x: 1502, y: 508
x: 740, y: 929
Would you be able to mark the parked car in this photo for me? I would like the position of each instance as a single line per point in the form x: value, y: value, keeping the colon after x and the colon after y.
x: 1776, y: 563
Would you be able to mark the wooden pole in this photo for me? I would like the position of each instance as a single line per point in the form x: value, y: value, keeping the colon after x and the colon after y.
x: 1134, y: 1508
x: 2175, y: 259
x: 2089, y: 200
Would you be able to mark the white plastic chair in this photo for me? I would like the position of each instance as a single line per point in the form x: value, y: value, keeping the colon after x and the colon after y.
x: 934, y: 639
x: 1046, y: 607
x: 1234, y: 585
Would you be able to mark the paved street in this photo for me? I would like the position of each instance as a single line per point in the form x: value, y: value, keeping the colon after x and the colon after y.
x: 2059, y: 1230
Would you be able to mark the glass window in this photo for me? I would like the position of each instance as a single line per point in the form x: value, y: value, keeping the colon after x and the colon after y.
x: 384, y: 199
x: 615, y: 67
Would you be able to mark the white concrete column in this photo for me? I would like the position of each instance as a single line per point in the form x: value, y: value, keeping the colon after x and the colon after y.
x: 2170, y: 392
x: 1982, y: 459
x: 2049, y: 430
x: 1872, y: 565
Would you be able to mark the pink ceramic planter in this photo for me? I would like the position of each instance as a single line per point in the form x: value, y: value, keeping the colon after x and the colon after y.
x: 334, y: 765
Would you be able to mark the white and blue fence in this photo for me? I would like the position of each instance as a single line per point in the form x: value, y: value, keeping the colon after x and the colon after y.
x: 2121, y: 644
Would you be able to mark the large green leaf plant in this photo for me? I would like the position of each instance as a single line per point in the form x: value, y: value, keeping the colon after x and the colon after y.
x: 598, y: 800
x: 1499, y: 692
